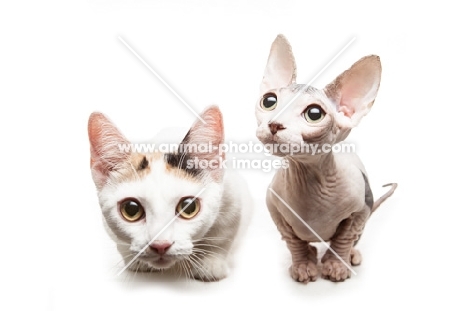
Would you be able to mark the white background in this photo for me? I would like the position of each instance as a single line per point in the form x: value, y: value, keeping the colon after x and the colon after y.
x: 60, y: 61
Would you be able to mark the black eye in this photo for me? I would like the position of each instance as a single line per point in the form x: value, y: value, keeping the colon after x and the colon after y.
x: 131, y: 210
x: 269, y: 101
x: 314, y: 114
x: 188, y: 207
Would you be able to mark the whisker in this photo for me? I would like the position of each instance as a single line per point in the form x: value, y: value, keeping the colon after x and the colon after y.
x: 209, y: 253
x: 194, y: 259
x: 212, y: 239
x: 211, y: 245
x: 188, y: 272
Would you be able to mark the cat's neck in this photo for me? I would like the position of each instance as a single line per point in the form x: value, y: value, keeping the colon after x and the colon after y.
x: 305, y: 168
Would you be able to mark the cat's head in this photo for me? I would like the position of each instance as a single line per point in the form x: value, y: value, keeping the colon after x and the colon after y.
x: 157, y: 205
x: 290, y: 113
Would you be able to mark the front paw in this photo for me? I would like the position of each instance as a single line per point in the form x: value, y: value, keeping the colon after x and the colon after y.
x: 304, y: 272
x: 356, y: 257
x: 335, y: 270
x: 210, y: 270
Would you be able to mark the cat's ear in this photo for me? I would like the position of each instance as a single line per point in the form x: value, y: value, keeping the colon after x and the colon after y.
x: 208, y: 137
x: 209, y: 133
x: 280, y: 70
x: 106, y: 155
x: 354, y: 91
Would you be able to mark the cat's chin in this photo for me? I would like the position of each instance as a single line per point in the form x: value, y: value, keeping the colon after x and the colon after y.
x: 161, y: 263
x: 280, y: 147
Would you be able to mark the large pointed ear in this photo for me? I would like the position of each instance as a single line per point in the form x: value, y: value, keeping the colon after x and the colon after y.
x: 107, y: 147
x: 280, y: 70
x: 207, y: 138
x: 354, y: 91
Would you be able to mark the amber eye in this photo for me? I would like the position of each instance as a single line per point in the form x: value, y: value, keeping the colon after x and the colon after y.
x: 131, y: 210
x: 188, y: 207
x: 269, y: 101
x: 314, y: 114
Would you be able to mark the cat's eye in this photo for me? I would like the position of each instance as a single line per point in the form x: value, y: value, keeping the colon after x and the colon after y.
x: 188, y: 207
x: 131, y: 210
x: 269, y: 101
x: 314, y: 114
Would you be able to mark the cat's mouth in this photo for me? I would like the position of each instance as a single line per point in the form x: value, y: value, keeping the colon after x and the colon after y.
x: 159, y: 262
x: 267, y: 138
x: 279, y: 146
x: 162, y: 262
x: 271, y: 140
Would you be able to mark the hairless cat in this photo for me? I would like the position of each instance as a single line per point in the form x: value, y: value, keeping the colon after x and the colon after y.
x: 325, y: 196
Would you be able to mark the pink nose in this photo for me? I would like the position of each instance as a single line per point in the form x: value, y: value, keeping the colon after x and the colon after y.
x: 161, y: 247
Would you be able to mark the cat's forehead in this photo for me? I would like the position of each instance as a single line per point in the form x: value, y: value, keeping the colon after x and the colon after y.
x: 140, y: 165
x: 149, y: 179
x: 302, y: 92
x: 137, y: 166
x: 303, y: 88
x: 300, y: 88
x: 153, y: 168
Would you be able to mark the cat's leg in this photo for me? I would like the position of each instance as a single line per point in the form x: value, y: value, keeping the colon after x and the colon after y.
x: 355, y: 257
x: 209, y: 268
x: 304, y: 256
x: 209, y: 260
x: 211, y: 255
x: 347, y: 233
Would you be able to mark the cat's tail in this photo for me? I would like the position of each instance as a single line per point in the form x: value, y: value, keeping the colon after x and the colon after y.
x: 385, y: 196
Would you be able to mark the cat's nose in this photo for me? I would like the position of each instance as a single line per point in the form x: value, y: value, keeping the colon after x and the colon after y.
x: 161, y: 247
x: 275, y: 127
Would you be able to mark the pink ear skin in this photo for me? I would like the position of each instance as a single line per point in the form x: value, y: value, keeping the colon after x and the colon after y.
x: 280, y: 70
x: 104, y: 139
x: 211, y: 132
x: 355, y: 90
x: 205, y: 134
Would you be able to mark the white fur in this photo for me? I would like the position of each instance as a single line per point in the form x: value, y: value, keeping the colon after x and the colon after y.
x: 199, y: 246
x: 159, y: 192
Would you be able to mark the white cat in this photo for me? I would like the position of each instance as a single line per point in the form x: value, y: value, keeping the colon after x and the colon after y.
x: 162, y: 211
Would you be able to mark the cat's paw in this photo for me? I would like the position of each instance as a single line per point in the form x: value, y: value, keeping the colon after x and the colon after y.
x: 304, y: 272
x: 355, y: 257
x: 210, y: 270
x: 335, y: 270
